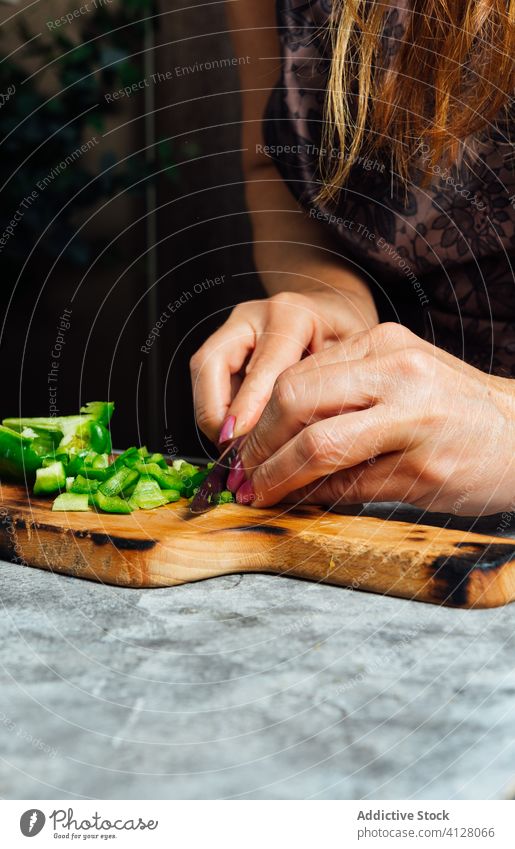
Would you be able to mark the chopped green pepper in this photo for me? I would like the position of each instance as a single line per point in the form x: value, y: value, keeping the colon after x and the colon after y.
x: 120, y: 482
x: 19, y: 456
x: 50, y: 479
x: 71, y: 502
x: 166, y: 480
x: 192, y: 482
x: 100, y: 438
x: 83, y: 486
x: 124, y: 459
x: 159, y: 459
x: 100, y: 411
x: 109, y: 503
x: 170, y: 495
x: 24, y: 439
x: 96, y: 461
x: 73, y: 453
x: 147, y: 494
x: 75, y: 464
x: 224, y: 497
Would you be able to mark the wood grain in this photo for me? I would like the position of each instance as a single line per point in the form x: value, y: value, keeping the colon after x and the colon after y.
x: 165, y: 547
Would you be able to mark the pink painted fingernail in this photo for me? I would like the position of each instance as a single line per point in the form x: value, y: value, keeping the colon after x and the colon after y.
x: 227, y: 431
x: 245, y: 494
x: 236, y: 476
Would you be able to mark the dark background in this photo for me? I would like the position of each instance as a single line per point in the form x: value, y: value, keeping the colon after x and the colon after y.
x: 117, y: 292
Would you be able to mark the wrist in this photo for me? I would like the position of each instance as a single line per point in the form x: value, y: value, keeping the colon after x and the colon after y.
x: 504, y: 393
x: 356, y: 310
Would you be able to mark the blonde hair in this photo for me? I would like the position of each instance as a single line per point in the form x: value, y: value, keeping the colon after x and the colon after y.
x: 447, y: 78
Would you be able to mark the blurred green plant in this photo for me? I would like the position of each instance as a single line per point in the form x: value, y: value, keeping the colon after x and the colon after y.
x: 47, y: 116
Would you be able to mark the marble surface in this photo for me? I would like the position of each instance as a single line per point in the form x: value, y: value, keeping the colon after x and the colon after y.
x: 250, y: 687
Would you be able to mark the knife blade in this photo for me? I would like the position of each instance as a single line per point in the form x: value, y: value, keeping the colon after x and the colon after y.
x: 215, y: 482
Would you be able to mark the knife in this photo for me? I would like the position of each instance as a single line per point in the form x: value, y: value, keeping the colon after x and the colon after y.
x: 215, y: 482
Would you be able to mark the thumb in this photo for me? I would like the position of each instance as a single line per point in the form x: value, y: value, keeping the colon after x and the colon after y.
x: 274, y: 352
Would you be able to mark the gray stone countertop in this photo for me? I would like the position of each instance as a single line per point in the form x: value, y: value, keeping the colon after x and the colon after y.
x: 250, y: 687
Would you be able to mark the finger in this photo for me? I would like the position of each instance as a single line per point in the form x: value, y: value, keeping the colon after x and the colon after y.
x: 276, y: 350
x: 303, y: 398
x: 323, y: 449
x: 382, y: 339
x: 381, y: 480
x: 214, y: 370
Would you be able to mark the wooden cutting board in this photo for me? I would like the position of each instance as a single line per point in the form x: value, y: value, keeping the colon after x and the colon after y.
x: 168, y: 546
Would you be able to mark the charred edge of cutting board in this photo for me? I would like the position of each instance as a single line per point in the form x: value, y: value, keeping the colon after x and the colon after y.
x: 126, y: 543
x: 8, y: 545
x: 266, y: 530
x: 453, y: 573
x: 97, y: 537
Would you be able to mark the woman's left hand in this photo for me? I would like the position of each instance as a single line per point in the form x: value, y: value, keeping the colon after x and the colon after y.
x: 384, y: 416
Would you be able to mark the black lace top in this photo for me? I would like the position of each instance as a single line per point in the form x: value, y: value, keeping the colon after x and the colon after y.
x: 447, y: 250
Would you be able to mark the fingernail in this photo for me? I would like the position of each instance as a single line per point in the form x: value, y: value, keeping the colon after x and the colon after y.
x: 245, y: 494
x: 227, y: 431
x: 236, y: 476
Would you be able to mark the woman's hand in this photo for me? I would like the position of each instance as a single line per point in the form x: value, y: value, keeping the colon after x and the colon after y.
x: 234, y: 371
x: 384, y: 416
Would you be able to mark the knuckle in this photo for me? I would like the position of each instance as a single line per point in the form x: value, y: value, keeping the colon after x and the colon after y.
x: 390, y: 331
x: 348, y: 485
x: 335, y: 488
x: 205, y: 421
x: 377, y: 338
x: 291, y: 301
x: 352, y: 484
x: 288, y: 299
x: 312, y: 444
x: 415, y: 363
x: 252, y: 452
x: 331, y: 451
x: 438, y: 472
x: 195, y: 362
x: 198, y: 359
x: 284, y: 393
x: 357, y: 343
x: 238, y: 310
x: 358, y: 337
x: 264, y: 479
x: 431, y: 473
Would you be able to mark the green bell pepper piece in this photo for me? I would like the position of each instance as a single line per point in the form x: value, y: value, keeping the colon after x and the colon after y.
x: 50, y: 479
x: 170, y: 495
x: 185, y: 470
x: 77, y: 432
x: 100, y: 411
x: 93, y: 474
x: 109, y: 503
x: 96, y: 461
x: 19, y: 456
x: 192, y: 483
x: 100, y: 438
x: 224, y: 497
x: 125, y: 459
x: 71, y: 502
x: 84, y: 486
x: 147, y: 494
x: 159, y: 459
x: 75, y: 464
x: 166, y: 479
x: 118, y: 483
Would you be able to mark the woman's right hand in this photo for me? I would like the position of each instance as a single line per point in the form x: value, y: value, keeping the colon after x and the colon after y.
x: 234, y: 371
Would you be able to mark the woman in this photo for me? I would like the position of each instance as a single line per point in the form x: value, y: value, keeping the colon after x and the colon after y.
x: 379, y: 170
